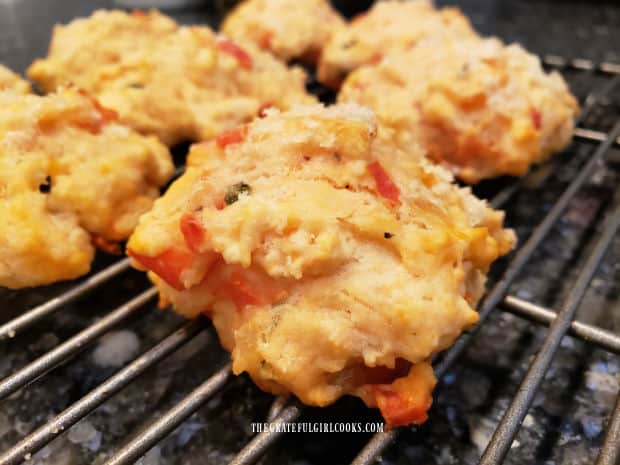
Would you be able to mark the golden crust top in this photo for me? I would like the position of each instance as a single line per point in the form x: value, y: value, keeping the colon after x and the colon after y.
x: 389, y: 26
x: 287, y: 28
x: 69, y: 174
x: 13, y: 82
x: 477, y: 106
x: 179, y: 83
x: 324, y: 254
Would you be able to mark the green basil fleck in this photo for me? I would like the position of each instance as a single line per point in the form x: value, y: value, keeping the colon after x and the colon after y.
x: 233, y: 192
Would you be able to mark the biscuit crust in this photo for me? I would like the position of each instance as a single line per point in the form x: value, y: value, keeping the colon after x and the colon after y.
x: 177, y: 82
x: 479, y: 107
x: 13, y: 82
x: 330, y: 262
x: 70, y: 176
x: 389, y: 26
x: 287, y: 28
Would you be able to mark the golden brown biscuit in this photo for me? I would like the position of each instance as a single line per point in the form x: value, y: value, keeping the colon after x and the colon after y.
x: 479, y: 107
x: 69, y: 175
x: 179, y: 83
x: 287, y: 28
x: 13, y: 82
x: 387, y: 27
x: 330, y: 261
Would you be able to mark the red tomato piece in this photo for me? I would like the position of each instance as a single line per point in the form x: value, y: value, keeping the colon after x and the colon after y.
x: 263, y: 107
x: 168, y: 265
x: 251, y: 287
x: 396, y: 409
x: 233, y: 49
x: 231, y: 136
x: 407, y: 399
x: 536, y: 118
x: 241, y: 291
x: 193, y: 232
x: 264, y: 41
x: 385, y: 185
x: 220, y: 203
x: 106, y: 115
x: 376, y: 58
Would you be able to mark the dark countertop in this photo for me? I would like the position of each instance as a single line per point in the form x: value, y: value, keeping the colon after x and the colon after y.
x: 565, y: 425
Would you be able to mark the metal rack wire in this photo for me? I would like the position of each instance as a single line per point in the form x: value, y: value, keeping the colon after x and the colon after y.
x: 560, y: 323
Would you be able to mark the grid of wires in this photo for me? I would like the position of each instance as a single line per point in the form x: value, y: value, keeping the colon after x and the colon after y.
x: 559, y: 323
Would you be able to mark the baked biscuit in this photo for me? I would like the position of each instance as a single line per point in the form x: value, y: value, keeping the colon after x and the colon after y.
x: 70, y: 176
x: 479, y: 107
x: 13, y: 82
x: 179, y: 83
x: 387, y: 27
x: 330, y: 261
x: 287, y: 28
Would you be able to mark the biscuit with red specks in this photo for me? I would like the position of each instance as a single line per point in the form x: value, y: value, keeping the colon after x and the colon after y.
x: 387, y: 27
x: 330, y: 261
x: 287, y: 28
x: 177, y: 82
x: 479, y: 107
x: 70, y: 176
